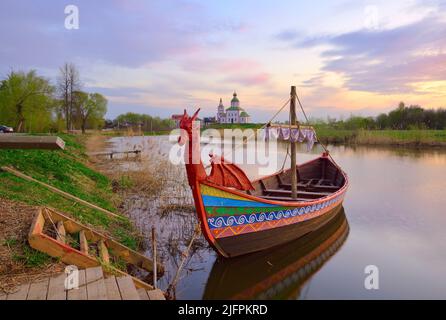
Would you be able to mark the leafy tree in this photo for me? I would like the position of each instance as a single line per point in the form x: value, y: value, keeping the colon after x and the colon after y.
x: 145, y: 121
x: 26, y: 99
x: 89, y: 108
x: 382, y: 121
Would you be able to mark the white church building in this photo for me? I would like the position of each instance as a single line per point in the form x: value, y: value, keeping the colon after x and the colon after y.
x: 233, y: 114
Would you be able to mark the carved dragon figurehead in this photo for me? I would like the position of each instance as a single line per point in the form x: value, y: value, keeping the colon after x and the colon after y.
x: 223, y: 173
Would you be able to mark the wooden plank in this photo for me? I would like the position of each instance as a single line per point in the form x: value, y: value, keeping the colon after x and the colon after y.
x: 95, y: 284
x: 142, y: 294
x: 38, y: 290
x: 31, y: 142
x: 129, y: 255
x: 38, y: 223
x: 112, y: 288
x: 20, y: 294
x: 314, y: 186
x: 81, y: 292
x: 61, y: 234
x: 303, y: 193
x: 103, y: 252
x: 283, y: 198
x: 83, y: 242
x: 3, y: 296
x: 65, y: 253
x: 56, y: 288
x: 58, y: 191
x: 127, y: 288
x: 156, y: 294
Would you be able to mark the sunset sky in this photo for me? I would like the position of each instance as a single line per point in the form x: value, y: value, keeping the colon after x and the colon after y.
x: 158, y: 57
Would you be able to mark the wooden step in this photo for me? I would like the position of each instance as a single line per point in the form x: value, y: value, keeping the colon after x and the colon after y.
x: 38, y: 290
x: 56, y: 288
x: 92, y: 286
x: 81, y: 292
x: 127, y: 288
x: 96, y: 289
x: 143, y: 294
x: 112, y: 288
x: 156, y: 294
x: 83, y: 242
x: 61, y: 233
x: 103, y: 252
x: 20, y: 294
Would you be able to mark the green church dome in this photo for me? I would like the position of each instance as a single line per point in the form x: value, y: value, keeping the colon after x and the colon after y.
x: 235, y: 99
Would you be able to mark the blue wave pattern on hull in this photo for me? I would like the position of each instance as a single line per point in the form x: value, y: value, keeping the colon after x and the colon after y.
x: 229, y: 221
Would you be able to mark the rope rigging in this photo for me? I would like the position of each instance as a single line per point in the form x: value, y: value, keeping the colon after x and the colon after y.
x: 307, y: 121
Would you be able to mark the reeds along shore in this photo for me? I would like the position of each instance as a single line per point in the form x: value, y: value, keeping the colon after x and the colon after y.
x: 415, y: 138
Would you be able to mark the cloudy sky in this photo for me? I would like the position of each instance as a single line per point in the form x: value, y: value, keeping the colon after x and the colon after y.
x: 157, y: 57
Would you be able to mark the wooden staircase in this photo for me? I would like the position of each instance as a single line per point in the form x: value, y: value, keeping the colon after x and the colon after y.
x: 50, y: 233
x: 93, y: 285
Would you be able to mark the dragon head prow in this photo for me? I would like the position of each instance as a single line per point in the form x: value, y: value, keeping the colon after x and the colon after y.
x: 186, y: 123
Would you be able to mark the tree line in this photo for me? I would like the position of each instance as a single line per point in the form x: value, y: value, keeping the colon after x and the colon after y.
x: 31, y: 103
x: 143, y: 121
x: 401, y: 118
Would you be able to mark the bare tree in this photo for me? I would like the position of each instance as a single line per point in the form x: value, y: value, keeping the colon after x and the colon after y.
x: 67, y: 83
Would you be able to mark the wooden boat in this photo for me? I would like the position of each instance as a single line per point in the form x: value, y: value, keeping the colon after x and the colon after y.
x: 278, y: 273
x: 239, y: 216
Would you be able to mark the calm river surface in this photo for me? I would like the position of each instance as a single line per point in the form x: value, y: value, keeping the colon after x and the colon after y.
x: 395, y: 213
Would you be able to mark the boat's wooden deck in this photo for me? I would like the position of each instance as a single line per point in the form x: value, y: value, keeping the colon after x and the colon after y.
x: 315, y: 180
x: 93, y: 285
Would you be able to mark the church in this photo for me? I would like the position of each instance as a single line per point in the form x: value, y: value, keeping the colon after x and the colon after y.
x: 233, y: 114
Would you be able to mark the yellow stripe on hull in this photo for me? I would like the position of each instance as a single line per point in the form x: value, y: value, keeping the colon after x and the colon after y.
x: 210, y: 191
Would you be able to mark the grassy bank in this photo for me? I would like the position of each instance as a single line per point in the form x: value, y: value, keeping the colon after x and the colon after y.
x: 422, y: 138
x: 234, y: 126
x: 328, y: 134
x: 67, y: 170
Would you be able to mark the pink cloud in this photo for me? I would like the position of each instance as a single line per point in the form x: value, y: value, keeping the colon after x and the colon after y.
x: 250, y: 79
x: 235, y: 65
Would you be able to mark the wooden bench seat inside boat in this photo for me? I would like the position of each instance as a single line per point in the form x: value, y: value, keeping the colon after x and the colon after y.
x: 299, y: 193
x: 284, y: 198
x: 316, y: 179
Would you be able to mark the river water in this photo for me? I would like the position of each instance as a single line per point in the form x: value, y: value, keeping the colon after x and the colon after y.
x: 395, y: 213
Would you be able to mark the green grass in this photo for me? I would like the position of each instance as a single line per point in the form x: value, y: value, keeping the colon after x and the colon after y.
x: 32, y: 258
x: 67, y: 170
x: 234, y: 126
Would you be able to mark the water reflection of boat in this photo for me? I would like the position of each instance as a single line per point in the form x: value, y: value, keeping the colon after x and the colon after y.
x: 279, y: 273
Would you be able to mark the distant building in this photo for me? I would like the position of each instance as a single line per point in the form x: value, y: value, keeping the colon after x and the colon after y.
x: 209, y: 120
x: 233, y: 114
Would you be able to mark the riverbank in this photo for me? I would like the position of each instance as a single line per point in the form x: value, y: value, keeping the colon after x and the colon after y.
x: 407, y: 138
x: 330, y: 135
x: 69, y: 170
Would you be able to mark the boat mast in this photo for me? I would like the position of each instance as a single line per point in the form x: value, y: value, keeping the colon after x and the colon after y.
x: 293, y: 144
